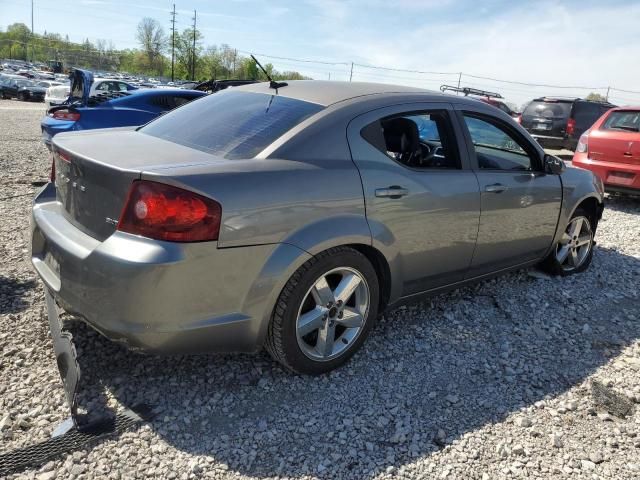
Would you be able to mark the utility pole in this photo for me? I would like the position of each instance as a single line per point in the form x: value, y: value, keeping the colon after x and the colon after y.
x: 193, y: 62
x: 459, y: 80
x: 607, y: 97
x: 351, y: 74
x: 173, y: 41
x: 31, y: 30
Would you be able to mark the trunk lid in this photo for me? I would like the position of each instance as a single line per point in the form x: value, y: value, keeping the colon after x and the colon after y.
x: 81, y: 81
x: 619, y: 147
x: 94, y: 171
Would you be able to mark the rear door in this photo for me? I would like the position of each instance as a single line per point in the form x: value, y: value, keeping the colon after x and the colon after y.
x: 617, y: 139
x: 520, y: 203
x: 420, y: 193
x: 585, y: 114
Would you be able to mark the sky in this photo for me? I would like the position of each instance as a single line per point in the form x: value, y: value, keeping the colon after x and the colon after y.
x: 578, y: 44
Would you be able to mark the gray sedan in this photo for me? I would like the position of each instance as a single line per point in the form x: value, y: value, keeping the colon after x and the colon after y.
x: 292, y: 218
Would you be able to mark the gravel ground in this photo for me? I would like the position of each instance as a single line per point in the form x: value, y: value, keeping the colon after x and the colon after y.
x: 524, y: 376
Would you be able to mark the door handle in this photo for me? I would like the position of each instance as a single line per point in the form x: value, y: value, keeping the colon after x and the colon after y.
x: 495, y: 188
x: 393, y: 191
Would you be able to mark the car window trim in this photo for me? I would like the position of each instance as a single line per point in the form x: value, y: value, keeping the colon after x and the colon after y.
x: 362, y: 119
x: 531, y: 150
x: 417, y: 113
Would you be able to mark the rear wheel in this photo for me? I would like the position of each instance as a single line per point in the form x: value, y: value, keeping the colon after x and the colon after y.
x: 22, y: 96
x: 324, y: 312
x: 574, y: 251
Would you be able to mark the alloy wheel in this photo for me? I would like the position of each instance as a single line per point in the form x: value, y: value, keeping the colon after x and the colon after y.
x: 332, y: 314
x: 575, y: 245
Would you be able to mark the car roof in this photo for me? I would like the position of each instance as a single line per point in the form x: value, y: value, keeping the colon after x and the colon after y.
x: 323, y: 92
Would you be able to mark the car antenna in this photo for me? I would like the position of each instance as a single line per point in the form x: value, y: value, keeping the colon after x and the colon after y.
x: 272, y: 84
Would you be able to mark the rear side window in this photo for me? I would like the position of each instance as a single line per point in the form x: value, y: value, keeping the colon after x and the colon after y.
x: 232, y: 124
x: 622, y: 121
x: 169, y: 102
x: 586, y: 112
x: 547, y: 109
x: 421, y: 140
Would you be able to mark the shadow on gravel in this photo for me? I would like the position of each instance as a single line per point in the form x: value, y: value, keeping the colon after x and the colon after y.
x: 623, y: 203
x: 11, y: 293
x: 427, y: 374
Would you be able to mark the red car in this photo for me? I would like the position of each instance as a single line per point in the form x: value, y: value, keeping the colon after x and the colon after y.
x: 611, y: 150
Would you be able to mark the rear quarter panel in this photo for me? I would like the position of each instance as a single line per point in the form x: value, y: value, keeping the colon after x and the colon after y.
x: 312, y: 205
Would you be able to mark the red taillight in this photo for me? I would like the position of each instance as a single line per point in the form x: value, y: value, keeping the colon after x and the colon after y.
x: 164, y: 212
x: 571, y: 126
x: 65, y: 114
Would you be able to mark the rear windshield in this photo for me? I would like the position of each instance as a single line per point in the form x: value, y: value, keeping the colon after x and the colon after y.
x: 232, y: 124
x: 623, y: 121
x: 547, y: 109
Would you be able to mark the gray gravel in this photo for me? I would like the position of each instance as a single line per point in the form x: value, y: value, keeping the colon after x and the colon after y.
x: 524, y: 376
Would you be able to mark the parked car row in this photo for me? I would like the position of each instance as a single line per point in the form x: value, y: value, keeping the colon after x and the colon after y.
x: 105, y: 103
x: 559, y: 122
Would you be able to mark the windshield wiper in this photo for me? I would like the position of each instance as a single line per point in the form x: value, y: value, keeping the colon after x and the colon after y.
x: 272, y: 84
x: 624, y: 127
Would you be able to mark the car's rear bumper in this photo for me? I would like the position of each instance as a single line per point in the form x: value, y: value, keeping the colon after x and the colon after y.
x: 51, y: 127
x: 617, y: 177
x: 150, y: 295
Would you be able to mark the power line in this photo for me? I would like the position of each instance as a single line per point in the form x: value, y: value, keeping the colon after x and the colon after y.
x: 404, y: 70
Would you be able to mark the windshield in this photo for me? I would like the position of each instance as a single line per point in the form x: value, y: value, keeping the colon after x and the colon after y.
x: 624, y: 120
x: 230, y: 123
x: 547, y: 109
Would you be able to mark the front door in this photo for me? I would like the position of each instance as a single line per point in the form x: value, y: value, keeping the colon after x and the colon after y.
x: 520, y: 203
x: 422, y: 200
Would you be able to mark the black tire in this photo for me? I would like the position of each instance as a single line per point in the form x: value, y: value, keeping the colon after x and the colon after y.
x: 22, y: 97
x: 551, y: 264
x: 282, y: 342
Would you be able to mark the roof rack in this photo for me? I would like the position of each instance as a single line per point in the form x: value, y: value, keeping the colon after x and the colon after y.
x: 470, y: 91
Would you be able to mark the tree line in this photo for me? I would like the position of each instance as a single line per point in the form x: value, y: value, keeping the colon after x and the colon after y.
x: 151, y: 59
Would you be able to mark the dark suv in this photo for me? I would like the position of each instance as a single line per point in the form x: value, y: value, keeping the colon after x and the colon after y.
x: 559, y: 122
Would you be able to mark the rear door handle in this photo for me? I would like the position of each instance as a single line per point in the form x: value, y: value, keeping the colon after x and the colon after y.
x: 495, y: 188
x: 394, y: 191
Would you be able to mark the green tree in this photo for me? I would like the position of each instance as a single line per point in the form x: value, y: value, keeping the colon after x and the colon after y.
x: 596, y: 97
x: 153, y: 40
x: 185, y: 54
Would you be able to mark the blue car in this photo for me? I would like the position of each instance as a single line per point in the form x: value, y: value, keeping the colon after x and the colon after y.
x: 109, y: 109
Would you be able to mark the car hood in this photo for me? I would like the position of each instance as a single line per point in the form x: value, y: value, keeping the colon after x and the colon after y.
x: 81, y: 81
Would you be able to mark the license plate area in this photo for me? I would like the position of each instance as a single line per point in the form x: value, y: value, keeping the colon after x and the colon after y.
x: 542, y: 126
x: 620, y: 178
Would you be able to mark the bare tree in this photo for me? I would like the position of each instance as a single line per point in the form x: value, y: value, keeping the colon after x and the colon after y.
x: 153, y: 41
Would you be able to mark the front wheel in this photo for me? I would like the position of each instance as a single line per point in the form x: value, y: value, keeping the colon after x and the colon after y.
x: 324, y: 312
x: 574, y: 251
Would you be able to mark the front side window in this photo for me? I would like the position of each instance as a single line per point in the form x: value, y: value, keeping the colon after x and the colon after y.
x: 416, y: 140
x: 496, y: 148
x: 232, y: 124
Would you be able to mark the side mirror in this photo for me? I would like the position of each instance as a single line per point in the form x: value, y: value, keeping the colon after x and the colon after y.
x: 553, y: 165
